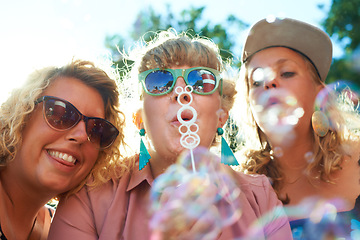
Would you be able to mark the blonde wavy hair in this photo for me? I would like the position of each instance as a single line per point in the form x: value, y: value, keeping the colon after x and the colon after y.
x: 168, y: 49
x: 328, y: 151
x: 19, y: 106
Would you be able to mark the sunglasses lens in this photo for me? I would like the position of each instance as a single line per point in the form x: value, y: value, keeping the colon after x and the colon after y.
x: 202, y: 80
x: 101, y: 132
x: 60, y: 115
x: 159, y: 82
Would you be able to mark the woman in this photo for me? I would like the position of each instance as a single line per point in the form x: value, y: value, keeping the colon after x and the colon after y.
x: 119, y: 209
x: 315, y: 155
x: 57, y: 131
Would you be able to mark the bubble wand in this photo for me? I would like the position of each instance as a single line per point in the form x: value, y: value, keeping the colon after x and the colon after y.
x: 189, y: 138
x: 208, y: 192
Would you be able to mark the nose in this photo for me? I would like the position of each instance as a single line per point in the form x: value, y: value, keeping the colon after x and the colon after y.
x: 272, y: 83
x: 77, y: 134
x: 180, y: 82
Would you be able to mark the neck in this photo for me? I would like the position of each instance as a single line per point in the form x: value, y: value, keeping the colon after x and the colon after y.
x: 159, y: 164
x: 293, y: 159
x: 19, y: 205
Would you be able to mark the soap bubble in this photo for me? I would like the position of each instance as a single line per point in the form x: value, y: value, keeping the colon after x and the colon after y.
x: 277, y: 112
x: 194, y: 205
x: 345, y: 96
x: 321, y: 219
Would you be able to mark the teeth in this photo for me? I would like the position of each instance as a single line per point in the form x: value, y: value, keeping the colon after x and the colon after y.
x: 64, y: 156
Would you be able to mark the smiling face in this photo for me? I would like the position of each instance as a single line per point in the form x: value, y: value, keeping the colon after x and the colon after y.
x: 162, y: 126
x: 276, y: 70
x: 56, y: 161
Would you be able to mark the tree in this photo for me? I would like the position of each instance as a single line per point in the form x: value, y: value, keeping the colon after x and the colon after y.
x: 343, y: 23
x: 148, y: 22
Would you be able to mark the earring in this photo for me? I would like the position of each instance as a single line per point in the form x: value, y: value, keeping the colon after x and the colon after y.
x: 144, y: 155
x: 320, y: 123
x: 227, y: 155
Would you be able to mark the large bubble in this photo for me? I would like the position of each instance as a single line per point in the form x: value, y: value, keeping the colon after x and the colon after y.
x: 323, y: 219
x: 194, y: 205
x: 277, y: 112
x: 344, y: 95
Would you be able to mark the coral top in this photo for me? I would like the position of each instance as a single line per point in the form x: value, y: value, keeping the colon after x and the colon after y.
x: 118, y: 210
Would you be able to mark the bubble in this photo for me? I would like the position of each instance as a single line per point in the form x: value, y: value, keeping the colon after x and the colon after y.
x: 194, y: 205
x: 262, y: 75
x: 309, y: 157
x: 344, y: 95
x: 266, y: 223
x: 271, y: 18
x: 321, y: 219
x: 278, y: 152
x: 277, y: 112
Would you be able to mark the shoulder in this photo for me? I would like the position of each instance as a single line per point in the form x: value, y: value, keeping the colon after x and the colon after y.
x: 108, y: 190
x: 258, y: 190
x: 88, y: 209
x: 252, y: 180
x: 259, y: 199
x: 95, y: 199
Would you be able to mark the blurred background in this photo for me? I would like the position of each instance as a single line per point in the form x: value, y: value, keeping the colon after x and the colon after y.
x: 51, y: 32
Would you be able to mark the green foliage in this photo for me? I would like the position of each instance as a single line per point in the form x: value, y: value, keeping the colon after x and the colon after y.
x: 342, y: 69
x: 190, y: 20
x: 343, y: 23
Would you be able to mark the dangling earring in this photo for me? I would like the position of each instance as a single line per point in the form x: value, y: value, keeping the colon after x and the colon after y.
x: 227, y: 156
x: 320, y: 123
x: 144, y: 155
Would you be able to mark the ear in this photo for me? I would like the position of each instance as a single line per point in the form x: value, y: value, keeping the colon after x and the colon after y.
x: 137, y: 119
x: 223, y: 117
x: 319, y: 87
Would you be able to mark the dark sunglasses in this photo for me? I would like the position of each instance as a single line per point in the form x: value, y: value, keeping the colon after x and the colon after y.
x: 158, y: 81
x: 62, y: 115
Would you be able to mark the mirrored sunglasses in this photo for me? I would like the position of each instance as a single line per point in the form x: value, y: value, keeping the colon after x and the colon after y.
x: 158, y: 81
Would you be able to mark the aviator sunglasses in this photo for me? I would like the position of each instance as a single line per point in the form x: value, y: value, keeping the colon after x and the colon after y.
x: 61, y: 115
x: 203, y: 80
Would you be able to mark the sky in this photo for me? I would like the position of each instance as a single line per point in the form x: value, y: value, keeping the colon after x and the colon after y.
x: 39, y: 33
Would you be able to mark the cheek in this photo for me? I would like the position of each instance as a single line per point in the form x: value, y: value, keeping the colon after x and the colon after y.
x: 306, y: 100
x: 255, y: 95
x: 37, y: 131
x: 91, y: 156
x: 152, y: 109
x: 256, y: 106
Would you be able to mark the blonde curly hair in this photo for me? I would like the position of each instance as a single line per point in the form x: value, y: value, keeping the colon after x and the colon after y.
x: 328, y: 151
x: 168, y: 49
x: 17, y: 109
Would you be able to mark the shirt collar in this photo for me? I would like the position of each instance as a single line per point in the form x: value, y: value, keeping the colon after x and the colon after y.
x: 138, y: 176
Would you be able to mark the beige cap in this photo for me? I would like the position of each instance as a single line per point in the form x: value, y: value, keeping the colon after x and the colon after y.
x: 307, y: 39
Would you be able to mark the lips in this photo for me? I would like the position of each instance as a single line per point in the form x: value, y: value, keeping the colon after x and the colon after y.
x: 273, y: 101
x: 186, y: 115
x: 68, y: 158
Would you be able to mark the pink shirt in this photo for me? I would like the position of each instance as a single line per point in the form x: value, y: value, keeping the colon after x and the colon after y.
x: 118, y: 210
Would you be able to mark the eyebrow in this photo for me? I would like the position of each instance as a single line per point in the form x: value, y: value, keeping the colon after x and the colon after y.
x: 278, y: 62
x: 282, y: 60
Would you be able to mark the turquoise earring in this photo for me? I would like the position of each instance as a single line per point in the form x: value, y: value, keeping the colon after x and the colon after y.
x: 227, y: 156
x: 144, y: 155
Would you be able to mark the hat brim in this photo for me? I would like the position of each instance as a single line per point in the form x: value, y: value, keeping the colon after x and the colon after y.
x: 309, y: 40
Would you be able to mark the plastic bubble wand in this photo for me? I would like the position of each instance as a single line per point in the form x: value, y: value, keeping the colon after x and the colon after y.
x: 188, y: 129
